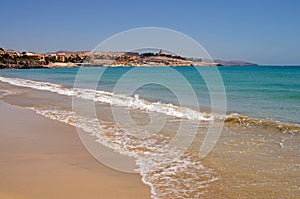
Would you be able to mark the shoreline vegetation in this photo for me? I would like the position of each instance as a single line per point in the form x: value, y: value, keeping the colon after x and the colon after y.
x: 12, y: 59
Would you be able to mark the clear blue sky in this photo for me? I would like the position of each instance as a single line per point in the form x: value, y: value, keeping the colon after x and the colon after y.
x: 260, y: 31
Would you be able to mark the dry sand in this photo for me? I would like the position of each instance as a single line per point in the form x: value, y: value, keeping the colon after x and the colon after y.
x: 41, y: 158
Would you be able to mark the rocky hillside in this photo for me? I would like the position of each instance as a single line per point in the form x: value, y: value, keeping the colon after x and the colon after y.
x: 14, y: 59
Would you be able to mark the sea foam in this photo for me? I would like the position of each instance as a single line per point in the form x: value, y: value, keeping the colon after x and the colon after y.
x: 168, y: 171
x: 133, y: 102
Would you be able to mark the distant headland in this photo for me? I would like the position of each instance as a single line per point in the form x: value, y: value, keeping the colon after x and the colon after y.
x: 12, y: 59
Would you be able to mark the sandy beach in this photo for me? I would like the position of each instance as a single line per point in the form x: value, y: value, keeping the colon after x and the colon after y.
x: 42, y: 158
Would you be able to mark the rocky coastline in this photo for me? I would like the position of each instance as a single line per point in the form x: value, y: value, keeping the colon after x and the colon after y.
x: 11, y: 59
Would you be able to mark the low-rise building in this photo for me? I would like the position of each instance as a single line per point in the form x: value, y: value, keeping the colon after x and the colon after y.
x: 61, y: 57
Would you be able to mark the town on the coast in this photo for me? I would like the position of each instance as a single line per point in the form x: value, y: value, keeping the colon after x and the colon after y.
x: 12, y: 59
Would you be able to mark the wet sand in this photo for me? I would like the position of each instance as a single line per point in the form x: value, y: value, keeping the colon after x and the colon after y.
x: 42, y: 158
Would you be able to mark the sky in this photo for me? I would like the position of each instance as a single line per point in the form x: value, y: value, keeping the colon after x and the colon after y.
x: 260, y: 31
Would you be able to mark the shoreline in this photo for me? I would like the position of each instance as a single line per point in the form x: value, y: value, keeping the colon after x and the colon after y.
x: 42, y: 158
x: 122, y: 66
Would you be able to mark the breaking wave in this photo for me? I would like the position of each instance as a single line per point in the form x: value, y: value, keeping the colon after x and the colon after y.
x: 170, y: 172
x: 249, y: 122
x: 110, y: 98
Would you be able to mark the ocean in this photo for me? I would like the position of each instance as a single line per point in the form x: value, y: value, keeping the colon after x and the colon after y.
x: 256, y: 155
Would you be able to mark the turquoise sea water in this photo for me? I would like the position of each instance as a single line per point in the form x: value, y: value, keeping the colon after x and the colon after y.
x: 268, y: 92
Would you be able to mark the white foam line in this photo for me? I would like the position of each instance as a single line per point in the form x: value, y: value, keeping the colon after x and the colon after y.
x: 156, y: 158
x: 153, y: 160
x: 110, y: 98
x: 97, y: 129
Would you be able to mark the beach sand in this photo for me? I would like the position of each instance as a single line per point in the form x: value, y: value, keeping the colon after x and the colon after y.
x: 42, y: 158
